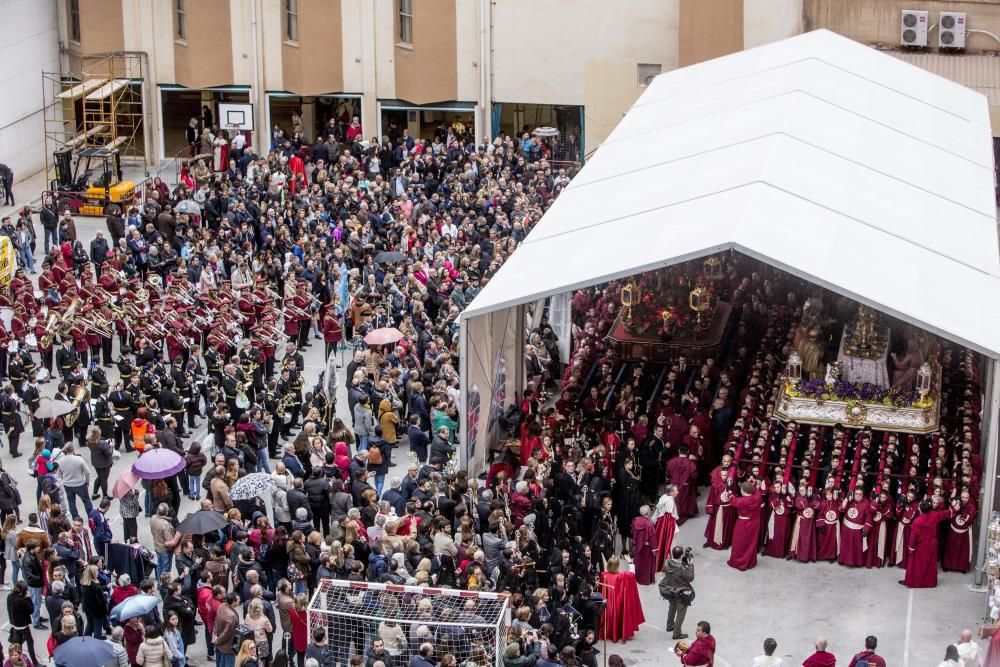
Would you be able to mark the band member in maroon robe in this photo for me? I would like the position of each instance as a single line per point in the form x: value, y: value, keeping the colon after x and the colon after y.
x: 624, y: 609
x: 828, y: 527
x: 855, y: 525
x: 665, y: 519
x: 643, y: 544
x: 779, y: 525
x: 921, y: 567
x: 879, y: 538
x: 721, y: 515
x: 803, y: 543
x: 682, y: 471
x: 746, y: 534
x: 958, y: 540
x: 906, y: 512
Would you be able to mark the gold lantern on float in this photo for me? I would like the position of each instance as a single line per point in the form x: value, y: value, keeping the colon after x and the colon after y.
x: 924, y: 379
x: 713, y: 268
x: 629, y: 297
x: 700, y: 301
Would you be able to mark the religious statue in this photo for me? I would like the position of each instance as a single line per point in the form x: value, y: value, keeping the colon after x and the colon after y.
x: 905, y: 368
x: 812, y: 355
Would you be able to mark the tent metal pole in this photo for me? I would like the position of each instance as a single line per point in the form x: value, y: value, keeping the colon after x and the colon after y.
x: 463, y: 397
x: 991, y: 417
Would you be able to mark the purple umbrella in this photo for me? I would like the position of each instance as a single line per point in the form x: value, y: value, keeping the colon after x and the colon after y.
x: 157, y: 464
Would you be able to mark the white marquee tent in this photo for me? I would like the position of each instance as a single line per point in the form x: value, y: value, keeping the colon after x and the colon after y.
x: 817, y: 155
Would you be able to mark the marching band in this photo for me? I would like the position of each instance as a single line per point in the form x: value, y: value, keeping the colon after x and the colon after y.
x: 182, y: 349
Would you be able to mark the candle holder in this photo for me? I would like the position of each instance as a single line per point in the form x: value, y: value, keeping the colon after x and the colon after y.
x: 924, y: 379
x: 629, y: 298
x: 794, y: 367
x: 701, y: 302
x: 713, y: 268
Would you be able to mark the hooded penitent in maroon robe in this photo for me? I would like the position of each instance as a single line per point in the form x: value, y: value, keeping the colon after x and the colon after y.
x: 828, y: 530
x: 683, y: 472
x: 905, y: 514
x: 854, y: 526
x: 921, y: 567
x: 643, y: 543
x: 666, y: 527
x: 624, y: 610
x: 958, y: 540
x: 879, y: 539
x: 721, y: 517
x: 779, y: 526
x: 803, y: 542
x: 746, y: 534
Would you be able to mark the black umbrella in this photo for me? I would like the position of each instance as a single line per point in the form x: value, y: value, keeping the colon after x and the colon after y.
x: 387, y: 257
x: 201, y: 522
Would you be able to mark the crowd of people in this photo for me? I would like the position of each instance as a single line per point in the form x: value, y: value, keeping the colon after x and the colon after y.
x: 211, y: 291
x: 786, y: 490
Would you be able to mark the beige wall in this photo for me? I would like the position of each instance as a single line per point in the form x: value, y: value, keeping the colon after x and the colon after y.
x: 426, y: 69
x: 709, y: 29
x: 313, y: 64
x: 543, y: 60
x: 766, y: 21
x: 877, y: 21
x: 101, y: 27
x: 205, y: 59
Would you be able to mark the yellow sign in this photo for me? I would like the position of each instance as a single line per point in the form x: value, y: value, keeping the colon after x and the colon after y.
x: 8, y: 261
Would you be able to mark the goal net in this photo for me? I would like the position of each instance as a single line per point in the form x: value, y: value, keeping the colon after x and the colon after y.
x: 370, y: 619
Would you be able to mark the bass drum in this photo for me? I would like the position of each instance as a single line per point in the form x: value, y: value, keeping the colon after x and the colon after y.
x: 31, y: 342
x: 42, y: 375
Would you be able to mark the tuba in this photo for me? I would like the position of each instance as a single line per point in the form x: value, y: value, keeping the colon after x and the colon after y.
x: 51, y: 326
x: 80, y: 396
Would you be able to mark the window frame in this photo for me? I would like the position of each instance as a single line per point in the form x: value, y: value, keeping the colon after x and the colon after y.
x: 404, y: 18
x: 180, y: 21
x: 73, y: 21
x: 291, y: 23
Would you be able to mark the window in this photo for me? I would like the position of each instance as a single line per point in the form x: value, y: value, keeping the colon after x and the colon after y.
x: 74, y: 20
x: 646, y: 72
x: 292, y: 20
x: 182, y: 27
x: 406, y: 21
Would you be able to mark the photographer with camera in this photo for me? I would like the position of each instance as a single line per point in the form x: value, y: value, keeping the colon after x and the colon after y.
x: 678, y: 573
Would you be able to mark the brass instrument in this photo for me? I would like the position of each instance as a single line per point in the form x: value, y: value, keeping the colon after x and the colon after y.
x: 100, y: 326
x: 51, y: 325
x: 80, y: 396
x: 282, y: 406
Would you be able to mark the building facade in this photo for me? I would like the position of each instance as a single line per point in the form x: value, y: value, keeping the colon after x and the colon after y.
x: 496, y: 65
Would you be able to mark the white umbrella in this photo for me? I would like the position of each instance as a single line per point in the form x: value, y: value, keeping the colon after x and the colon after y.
x: 545, y: 131
x: 251, y: 486
x: 188, y: 206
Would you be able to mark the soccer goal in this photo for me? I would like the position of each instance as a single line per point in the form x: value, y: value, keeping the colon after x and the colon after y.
x: 369, y: 619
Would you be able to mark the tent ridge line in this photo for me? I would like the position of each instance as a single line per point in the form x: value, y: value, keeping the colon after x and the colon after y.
x: 635, y: 213
x: 813, y: 58
x: 771, y: 261
x: 807, y: 93
x: 780, y: 133
x: 884, y: 231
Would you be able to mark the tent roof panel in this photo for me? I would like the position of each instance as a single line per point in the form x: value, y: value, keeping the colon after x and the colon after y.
x: 820, y: 155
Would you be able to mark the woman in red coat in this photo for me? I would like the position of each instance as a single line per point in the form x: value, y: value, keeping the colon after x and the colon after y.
x: 921, y: 567
x: 958, y: 543
x: 300, y: 625
x: 746, y: 534
x: 623, y: 614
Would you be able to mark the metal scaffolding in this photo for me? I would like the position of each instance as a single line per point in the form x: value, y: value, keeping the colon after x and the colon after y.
x: 99, y: 106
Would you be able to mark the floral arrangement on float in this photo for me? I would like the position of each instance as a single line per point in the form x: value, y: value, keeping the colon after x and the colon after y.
x: 650, y: 310
x: 831, y: 400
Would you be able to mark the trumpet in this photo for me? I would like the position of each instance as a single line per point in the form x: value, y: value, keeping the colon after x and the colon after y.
x: 295, y: 311
x: 99, y: 326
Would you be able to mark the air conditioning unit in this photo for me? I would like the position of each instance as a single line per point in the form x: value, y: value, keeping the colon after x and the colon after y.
x: 913, y: 28
x: 951, y: 30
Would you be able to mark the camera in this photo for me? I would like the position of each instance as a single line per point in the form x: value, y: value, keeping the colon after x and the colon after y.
x: 688, y: 555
